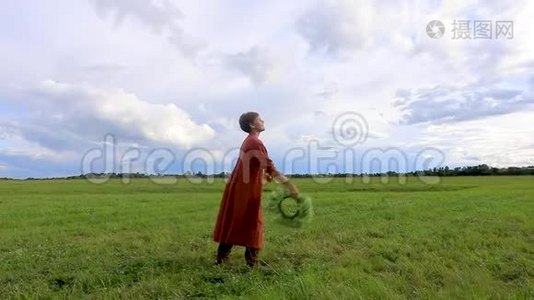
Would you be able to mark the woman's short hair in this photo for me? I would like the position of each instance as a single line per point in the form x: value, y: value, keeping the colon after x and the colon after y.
x: 246, y: 119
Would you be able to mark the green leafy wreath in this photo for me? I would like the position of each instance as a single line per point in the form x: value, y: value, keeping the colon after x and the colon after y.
x: 292, y: 212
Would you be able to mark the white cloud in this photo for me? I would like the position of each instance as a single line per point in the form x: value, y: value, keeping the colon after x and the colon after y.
x: 453, y: 104
x: 162, y: 17
x: 299, y: 64
x: 157, y: 14
x: 256, y: 64
x: 126, y: 113
x: 501, y: 140
x: 336, y: 27
x: 105, y: 68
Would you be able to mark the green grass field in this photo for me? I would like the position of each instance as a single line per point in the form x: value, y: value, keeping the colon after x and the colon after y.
x: 465, y: 238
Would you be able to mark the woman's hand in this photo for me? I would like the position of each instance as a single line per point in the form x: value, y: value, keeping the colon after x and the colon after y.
x: 292, y: 189
x: 268, y: 177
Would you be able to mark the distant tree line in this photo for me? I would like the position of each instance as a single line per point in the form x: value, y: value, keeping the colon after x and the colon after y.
x: 480, y: 170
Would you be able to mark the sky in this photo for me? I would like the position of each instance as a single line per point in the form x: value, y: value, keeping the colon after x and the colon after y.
x: 343, y: 86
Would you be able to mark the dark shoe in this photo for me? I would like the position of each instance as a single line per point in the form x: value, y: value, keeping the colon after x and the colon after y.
x: 251, y: 256
x: 223, y: 253
x: 252, y: 264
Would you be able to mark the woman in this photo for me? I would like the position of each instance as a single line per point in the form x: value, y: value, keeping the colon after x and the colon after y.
x: 239, y: 221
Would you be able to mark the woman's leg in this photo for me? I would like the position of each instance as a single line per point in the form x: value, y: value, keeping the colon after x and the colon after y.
x: 251, y: 256
x: 222, y: 253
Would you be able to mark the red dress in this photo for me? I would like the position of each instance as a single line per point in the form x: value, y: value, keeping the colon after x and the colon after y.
x: 239, y: 221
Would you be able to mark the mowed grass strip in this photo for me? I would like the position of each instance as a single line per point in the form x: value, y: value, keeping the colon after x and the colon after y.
x: 466, y: 237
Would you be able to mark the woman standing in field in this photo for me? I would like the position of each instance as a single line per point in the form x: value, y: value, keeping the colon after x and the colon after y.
x: 239, y: 221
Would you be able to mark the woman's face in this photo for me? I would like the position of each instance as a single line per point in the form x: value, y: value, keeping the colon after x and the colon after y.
x: 258, y: 124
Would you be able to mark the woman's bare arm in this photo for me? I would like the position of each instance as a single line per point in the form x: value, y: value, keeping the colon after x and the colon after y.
x: 282, y: 179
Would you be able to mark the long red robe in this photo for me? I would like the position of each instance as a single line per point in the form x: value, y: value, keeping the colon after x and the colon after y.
x: 239, y: 221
